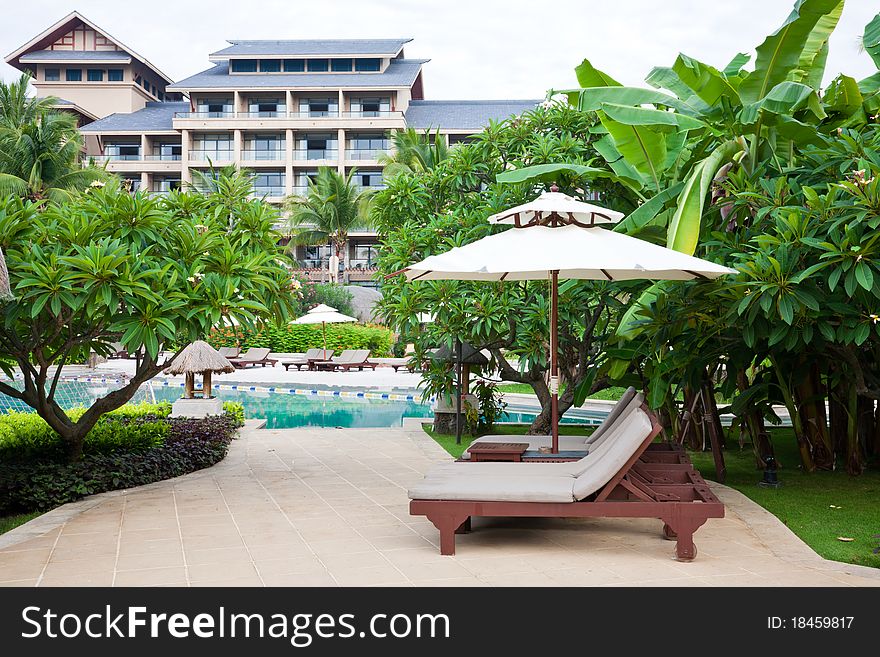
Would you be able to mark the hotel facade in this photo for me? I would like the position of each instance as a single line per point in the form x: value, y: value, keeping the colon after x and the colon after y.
x: 280, y: 109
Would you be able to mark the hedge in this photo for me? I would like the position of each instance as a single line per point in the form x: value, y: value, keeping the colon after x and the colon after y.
x: 134, y: 446
x: 298, y: 338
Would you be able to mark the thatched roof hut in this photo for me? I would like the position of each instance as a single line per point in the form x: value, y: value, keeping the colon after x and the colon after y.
x: 199, y: 358
x: 5, y: 291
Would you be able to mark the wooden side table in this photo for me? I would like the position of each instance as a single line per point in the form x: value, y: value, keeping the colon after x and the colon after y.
x: 497, y: 451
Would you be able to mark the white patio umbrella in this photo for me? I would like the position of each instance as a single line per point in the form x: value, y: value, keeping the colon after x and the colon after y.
x: 556, y: 236
x: 323, y: 315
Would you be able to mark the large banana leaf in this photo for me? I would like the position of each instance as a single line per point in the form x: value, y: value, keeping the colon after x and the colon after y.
x: 642, y: 146
x: 811, y: 63
x: 653, y: 117
x: 871, y: 40
x: 707, y: 82
x: 842, y: 99
x: 624, y: 170
x: 784, y: 99
x: 684, y: 229
x: 647, y: 211
x: 591, y: 99
x: 550, y: 172
x: 589, y: 76
x: 780, y: 52
x: 734, y: 67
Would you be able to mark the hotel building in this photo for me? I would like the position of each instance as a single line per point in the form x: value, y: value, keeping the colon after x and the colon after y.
x: 280, y: 109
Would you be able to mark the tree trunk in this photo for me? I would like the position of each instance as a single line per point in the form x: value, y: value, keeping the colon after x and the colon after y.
x: 876, y: 437
x: 854, y: 465
x: 791, y: 406
x: 713, y: 428
x: 754, y: 423
x: 690, y: 433
x: 837, y: 417
x: 810, y: 397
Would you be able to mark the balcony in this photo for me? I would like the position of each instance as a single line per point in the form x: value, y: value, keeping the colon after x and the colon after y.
x: 315, y: 154
x: 300, y: 115
x: 364, y: 154
x: 204, y: 115
x: 300, y: 190
x: 116, y: 157
x: 213, y: 156
x: 270, y: 191
x: 258, y: 154
x: 166, y: 157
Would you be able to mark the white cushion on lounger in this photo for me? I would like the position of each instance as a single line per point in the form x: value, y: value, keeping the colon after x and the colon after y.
x: 495, y: 489
x: 613, y: 455
x: 506, y: 469
x: 628, y: 395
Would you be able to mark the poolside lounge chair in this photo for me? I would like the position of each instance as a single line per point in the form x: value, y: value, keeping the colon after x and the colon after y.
x: 360, y: 359
x: 253, y: 356
x: 333, y: 362
x: 308, y: 359
x: 610, y: 482
x: 229, y: 352
x: 568, y: 443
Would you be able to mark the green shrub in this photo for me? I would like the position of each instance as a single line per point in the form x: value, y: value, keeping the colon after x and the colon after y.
x: 330, y: 294
x: 235, y: 411
x: 190, y: 444
x: 301, y: 337
x: 25, y: 435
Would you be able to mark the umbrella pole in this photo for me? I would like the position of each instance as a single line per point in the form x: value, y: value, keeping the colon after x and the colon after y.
x: 458, y: 392
x: 324, y: 332
x: 554, y: 365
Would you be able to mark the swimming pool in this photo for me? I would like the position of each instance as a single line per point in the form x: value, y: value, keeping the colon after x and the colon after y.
x: 302, y: 408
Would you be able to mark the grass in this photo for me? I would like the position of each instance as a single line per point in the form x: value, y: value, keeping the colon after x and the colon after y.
x: 524, y: 388
x: 11, y: 522
x: 817, y: 507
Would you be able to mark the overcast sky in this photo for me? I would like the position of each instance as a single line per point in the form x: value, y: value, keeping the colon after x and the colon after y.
x: 478, y: 48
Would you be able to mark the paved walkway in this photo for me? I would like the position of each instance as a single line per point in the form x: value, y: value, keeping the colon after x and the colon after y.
x: 328, y: 507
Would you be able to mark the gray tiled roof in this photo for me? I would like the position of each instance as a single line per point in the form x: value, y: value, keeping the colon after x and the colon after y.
x: 463, y: 114
x: 400, y: 73
x: 314, y: 47
x: 155, y: 116
x: 75, y: 56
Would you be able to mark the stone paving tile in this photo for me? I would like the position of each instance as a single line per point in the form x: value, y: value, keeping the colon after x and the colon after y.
x: 329, y: 508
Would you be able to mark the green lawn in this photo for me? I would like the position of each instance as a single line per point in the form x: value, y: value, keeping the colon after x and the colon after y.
x: 607, y: 394
x: 11, y: 522
x: 806, y: 503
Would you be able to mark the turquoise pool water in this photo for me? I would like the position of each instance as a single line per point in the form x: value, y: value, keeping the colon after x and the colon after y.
x: 284, y: 410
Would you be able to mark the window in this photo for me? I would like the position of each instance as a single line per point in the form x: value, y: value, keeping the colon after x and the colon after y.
x: 317, y: 147
x: 365, y: 146
x: 243, y: 65
x: 365, y: 65
x: 267, y: 107
x: 146, y: 85
x: 52, y: 74
x: 319, y: 106
x: 73, y: 75
x: 166, y: 184
x: 169, y: 151
x: 364, y: 254
x: 132, y: 184
x: 294, y: 65
x: 122, y: 151
x: 319, y: 65
x: 269, y: 183
x: 114, y: 75
x: 340, y: 65
x: 215, y: 108
x: 265, y: 147
x: 369, y: 179
x: 270, y: 65
x: 212, y: 146
x: 370, y: 106
x: 95, y: 75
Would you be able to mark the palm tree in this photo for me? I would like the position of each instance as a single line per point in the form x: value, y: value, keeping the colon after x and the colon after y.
x: 39, y: 148
x: 414, y: 151
x: 333, y: 206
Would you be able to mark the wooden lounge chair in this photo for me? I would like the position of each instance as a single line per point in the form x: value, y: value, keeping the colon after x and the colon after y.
x: 308, y: 359
x: 360, y: 359
x: 569, y: 443
x: 611, y: 482
x: 335, y: 361
x: 229, y: 352
x: 253, y: 356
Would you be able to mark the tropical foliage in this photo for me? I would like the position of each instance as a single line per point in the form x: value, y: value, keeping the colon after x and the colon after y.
x: 414, y: 150
x: 39, y: 148
x: 110, y: 267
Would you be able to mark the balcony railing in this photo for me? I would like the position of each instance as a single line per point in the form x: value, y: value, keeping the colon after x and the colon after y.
x: 364, y: 153
x: 214, y: 156
x: 281, y: 114
x: 315, y: 154
x: 300, y: 190
x: 261, y: 154
x: 163, y: 157
x: 260, y: 192
x: 116, y: 158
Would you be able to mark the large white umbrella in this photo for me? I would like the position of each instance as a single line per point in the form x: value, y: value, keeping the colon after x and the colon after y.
x: 557, y: 236
x: 323, y: 315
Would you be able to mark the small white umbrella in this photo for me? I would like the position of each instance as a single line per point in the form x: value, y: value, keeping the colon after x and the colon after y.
x: 323, y: 315
x: 556, y: 236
